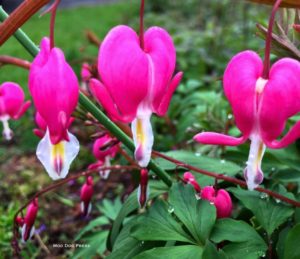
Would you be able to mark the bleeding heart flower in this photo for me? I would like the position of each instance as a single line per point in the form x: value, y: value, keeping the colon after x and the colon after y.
x: 86, y: 196
x: 261, y: 108
x: 136, y: 82
x: 104, y: 149
x: 29, y: 219
x: 12, y: 105
x: 189, y: 178
x: 55, y: 90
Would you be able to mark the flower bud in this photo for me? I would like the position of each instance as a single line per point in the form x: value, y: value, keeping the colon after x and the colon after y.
x: 143, y: 189
x: 29, y: 219
x: 189, y: 178
x: 220, y: 198
x: 86, y: 196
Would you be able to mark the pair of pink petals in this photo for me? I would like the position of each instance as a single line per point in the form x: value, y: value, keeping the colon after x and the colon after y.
x: 12, y: 105
x: 219, y: 198
x: 136, y: 82
x: 260, y: 107
x: 55, y: 91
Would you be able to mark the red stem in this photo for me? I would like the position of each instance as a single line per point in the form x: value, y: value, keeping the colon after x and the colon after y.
x: 227, y: 178
x: 53, y: 10
x: 269, y: 40
x: 142, y: 23
x: 8, y: 60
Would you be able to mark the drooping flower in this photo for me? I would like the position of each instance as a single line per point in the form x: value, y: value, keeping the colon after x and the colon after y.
x: 55, y: 90
x: 12, y: 105
x: 85, y: 72
x: 86, y: 194
x: 260, y: 107
x: 136, y: 82
x: 104, y: 149
x: 29, y: 219
x: 190, y: 179
x: 220, y: 198
x: 143, y: 189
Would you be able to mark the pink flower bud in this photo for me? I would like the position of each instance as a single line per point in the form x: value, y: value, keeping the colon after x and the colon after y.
x: 104, y: 149
x: 12, y: 105
x: 143, y: 189
x: 220, y: 198
x: 190, y: 179
x: 29, y: 219
x: 86, y: 194
x: 85, y: 72
x: 20, y: 221
x: 296, y: 27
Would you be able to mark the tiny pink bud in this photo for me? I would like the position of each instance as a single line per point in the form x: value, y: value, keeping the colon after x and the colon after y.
x: 29, y: 219
x: 143, y: 189
x: 86, y: 72
x: 189, y: 178
x: 86, y: 194
x: 296, y: 27
x: 20, y: 221
x: 220, y: 198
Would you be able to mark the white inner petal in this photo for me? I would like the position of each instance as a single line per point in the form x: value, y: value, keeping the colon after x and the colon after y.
x: 142, y: 137
x: 7, y: 132
x: 253, y: 172
x: 57, y: 158
x: 105, y: 173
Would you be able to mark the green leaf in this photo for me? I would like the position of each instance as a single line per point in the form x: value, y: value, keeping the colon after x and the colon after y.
x: 268, y: 213
x: 94, y: 223
x: 156, y: 188
x: 198, y: 216
x: 211, y: 252
x: 291, y: 248
x: 110, y: 208
x: 246, y: 242
x: 159, y: 224
x: 203, y: 162
x: 281, y: 242
x: 95, y: 245
x: 174, y: 252
x: 126, y: 247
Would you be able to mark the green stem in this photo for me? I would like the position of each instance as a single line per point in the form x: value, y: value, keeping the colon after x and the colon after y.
x: 27, y: 43
x: 89, y: 106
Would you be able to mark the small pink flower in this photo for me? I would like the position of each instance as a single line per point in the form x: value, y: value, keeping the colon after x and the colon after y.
x: 261, y: 108
x: 221, y: 200
x: 190, y: 179
x: 143, y: 189
x: 12, y: 105
x: 55, y: 90
x: 29, y: 219
x: 296, y: 27
x: 136, y: 82
x: 104, y: 149
x: 86, y: 196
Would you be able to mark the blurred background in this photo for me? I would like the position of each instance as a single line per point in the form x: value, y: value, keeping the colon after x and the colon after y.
x: 206, y: 34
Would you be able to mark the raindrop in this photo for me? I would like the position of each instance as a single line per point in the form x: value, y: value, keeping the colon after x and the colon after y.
x: 273, y: 169
x: 171, y: 209
x: 211, y: 203
x: 198, y: 197
x: 277, y: 200
x: 264, y: 196
x: 222, y: 161
x: 197, y: 154
x: 229, y: 116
